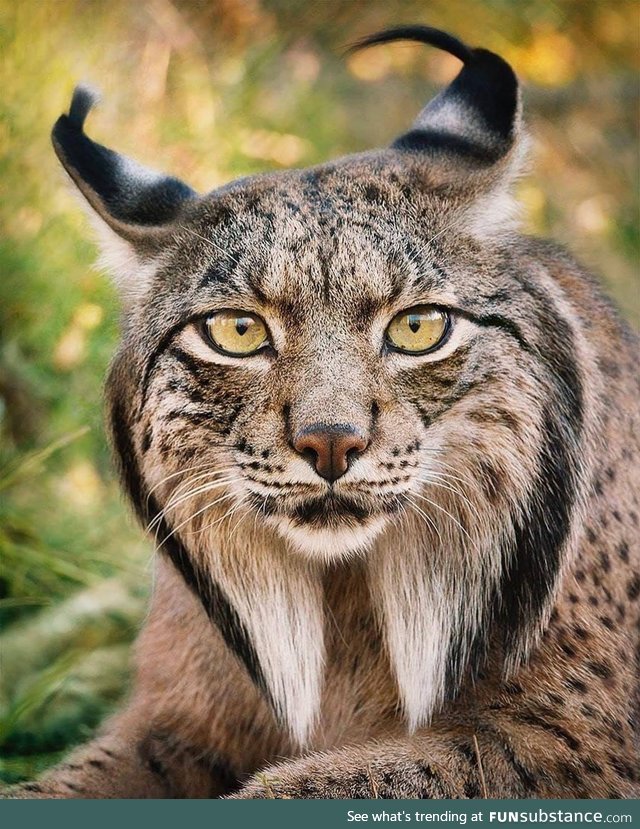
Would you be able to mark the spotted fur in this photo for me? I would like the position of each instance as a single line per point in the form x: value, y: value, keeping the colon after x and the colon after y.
x: 457, y: 615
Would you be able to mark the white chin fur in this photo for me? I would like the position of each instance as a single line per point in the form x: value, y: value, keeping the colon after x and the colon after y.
x: 332, y: 543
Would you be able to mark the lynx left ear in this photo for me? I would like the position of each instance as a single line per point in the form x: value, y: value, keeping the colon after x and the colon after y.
x: 475, y: 121
x: 136, y: 204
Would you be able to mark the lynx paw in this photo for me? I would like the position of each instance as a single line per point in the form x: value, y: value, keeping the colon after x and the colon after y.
x: 325, y: 778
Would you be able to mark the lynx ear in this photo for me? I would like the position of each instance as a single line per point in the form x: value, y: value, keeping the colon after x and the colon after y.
x: 135, y: 206
x: 475, y: 121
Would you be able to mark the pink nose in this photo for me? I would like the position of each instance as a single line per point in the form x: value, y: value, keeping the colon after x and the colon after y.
x: 330, y: 447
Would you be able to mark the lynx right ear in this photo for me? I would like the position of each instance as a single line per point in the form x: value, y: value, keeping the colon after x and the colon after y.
x: 136, y: 207
x: 475, y: 121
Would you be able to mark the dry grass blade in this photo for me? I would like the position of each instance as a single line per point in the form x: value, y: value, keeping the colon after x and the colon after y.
x: 32, y: 462
x: 375, y: 790
x: 483, y: 782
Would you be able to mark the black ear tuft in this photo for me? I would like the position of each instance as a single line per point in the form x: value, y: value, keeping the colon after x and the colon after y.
x: 421, y: 34
x: 83, y: 101
x: 477, y: 116
x: 126, y: 195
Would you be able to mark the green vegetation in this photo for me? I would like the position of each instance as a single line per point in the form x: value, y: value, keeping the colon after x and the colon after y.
x: 209, y: 91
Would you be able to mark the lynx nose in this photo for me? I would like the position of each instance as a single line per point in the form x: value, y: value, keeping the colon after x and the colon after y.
x: 330, y: 447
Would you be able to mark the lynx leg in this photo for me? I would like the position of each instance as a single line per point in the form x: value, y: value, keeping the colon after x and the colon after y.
x: 128, y: 762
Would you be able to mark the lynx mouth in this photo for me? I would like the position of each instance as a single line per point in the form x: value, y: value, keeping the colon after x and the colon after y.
x: 331, y: 524
x: 330, y: 510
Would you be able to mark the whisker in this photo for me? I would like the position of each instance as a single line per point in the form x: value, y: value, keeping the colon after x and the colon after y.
x: 427, y: 466
x: 240, y: 520
x: 173, y: 503
x: 211, y: 243
x: 180, y: 488
x: 456, y: 491
x: 181, y: 472
x: 446, y: 512
x: 457, y: 221
x: 262, y: 509
x: 426, y: 517
x: 228, y: 514
x: 195, y: 515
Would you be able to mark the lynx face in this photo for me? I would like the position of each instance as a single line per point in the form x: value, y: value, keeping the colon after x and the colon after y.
x: 356, y: 358
x: 326, y: 428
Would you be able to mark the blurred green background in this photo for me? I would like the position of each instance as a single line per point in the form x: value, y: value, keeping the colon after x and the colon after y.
x: 209, y: 91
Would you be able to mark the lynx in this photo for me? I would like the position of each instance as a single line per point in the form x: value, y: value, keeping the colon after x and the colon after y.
x: 388, y: 447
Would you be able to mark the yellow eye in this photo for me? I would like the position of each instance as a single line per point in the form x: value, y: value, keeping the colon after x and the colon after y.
x: 237, y: 333
x: 418, y: 330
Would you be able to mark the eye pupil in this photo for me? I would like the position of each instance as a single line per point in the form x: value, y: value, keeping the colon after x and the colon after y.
x: 414, y: 324
x: 242, y: 326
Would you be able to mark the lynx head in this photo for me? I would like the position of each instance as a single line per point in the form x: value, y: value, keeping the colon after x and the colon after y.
x: 349, y: 359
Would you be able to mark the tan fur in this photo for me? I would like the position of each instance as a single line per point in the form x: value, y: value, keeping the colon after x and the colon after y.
x: 458, y: 613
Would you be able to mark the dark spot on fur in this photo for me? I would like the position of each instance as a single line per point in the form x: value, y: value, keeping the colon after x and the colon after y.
x: 622, y: 768
x: 146, y: 440
x: 570, y: 774
x: 373, y: 194
x: 623, y: 552
x: 580, y: 632
x: 601, y: 669
x: 633, y: 587
x: 576, y: 685
x: 32, y: 787
x: 471, y: 789
x: 527, y: 778
x: 542, y: 720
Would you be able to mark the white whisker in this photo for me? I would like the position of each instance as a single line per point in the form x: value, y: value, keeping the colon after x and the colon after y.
x: 426, y: 517
x: 175, y: 474
x: 446, y: 512
x: 172, y: 504
x: 210, y: 242
x: 437, y: 482
x: 195, y: 515
x: 213, y: 476
x: 228, y: 514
